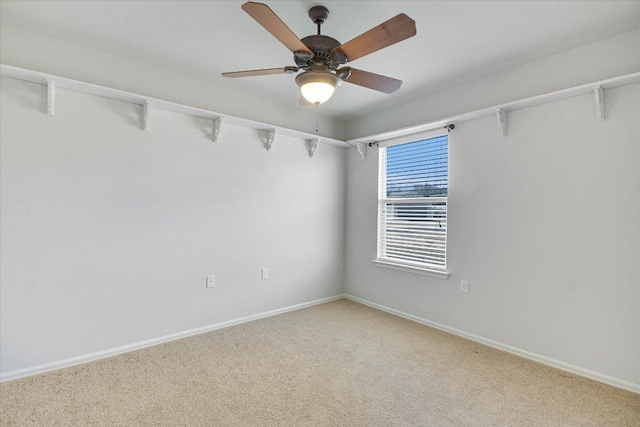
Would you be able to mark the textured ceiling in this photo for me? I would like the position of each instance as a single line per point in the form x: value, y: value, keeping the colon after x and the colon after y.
x: 457, y: 41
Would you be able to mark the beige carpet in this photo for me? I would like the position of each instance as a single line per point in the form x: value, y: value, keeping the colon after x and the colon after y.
x: 337, y: 364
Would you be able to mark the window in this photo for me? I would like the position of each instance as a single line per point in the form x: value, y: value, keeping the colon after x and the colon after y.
x: 412, y: 213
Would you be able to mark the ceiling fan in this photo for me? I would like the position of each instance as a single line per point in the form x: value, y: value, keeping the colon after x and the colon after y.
x: 320, y: 57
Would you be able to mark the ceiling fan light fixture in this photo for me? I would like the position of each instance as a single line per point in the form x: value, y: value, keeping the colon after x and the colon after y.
x: 317, y: 86
x: 319, y: 55
x: 317, y: 92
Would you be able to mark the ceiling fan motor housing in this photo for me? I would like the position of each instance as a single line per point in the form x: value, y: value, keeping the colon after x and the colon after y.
x: 318, y: 73
x: 321, y: 46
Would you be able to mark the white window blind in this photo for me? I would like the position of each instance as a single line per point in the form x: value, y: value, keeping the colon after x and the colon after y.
x: 413, y: 203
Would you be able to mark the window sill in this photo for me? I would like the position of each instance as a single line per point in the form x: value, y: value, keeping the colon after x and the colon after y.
x: 442, y: 274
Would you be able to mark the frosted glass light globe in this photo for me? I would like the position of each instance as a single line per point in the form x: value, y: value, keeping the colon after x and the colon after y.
x: 317, y: 92
x: 318, y: 84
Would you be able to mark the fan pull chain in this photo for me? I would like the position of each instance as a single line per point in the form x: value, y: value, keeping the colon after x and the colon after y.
x: 317, y: 114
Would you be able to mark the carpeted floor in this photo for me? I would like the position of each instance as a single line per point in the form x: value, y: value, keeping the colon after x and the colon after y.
x: 336, y: 364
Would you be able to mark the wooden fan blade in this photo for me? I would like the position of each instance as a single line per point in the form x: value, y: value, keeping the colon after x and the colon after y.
x: 262, y: 72
x: 394, y: 30
x: 372, y: 81
x: 272, y: 23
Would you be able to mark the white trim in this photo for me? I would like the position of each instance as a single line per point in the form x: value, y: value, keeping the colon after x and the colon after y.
x: 79, y: 86
x: 577, y: 370
x: 46, y: 367
x: 509, y: 106
x: 388, y: 255
x: 442, y: 274
x: 106, y: 92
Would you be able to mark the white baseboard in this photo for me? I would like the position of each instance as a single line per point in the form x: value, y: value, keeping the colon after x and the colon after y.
x: 577, y: 370
x: 19, y: 373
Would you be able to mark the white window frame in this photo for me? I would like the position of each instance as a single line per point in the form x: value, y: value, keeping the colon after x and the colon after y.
x: 382, y: 260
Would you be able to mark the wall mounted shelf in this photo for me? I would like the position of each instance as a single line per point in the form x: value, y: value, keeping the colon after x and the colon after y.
x: 500, y: 111
x: 56, y: 82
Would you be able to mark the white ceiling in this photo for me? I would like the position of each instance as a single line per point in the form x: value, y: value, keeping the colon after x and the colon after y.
x: 457, y: 41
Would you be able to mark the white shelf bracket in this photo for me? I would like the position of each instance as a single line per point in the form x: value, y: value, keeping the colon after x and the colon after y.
x: 599, y: 98
x: 501, y: 115
x: 146, y: 111
x: 215, y: 129
x: 362, y: 150
x: 51, y: 97
x: 271, y: 133
x: 313, y: 146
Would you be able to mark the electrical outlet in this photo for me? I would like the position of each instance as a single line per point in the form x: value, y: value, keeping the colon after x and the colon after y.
x: 464, y: 286
x: 211, y: 281
x: 265, y: 273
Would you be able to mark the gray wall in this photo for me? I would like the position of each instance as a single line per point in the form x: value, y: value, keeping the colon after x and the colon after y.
x: 545, y: 226
x: 108, y: 232
x: 24, y: 49
x: 611, y: 57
